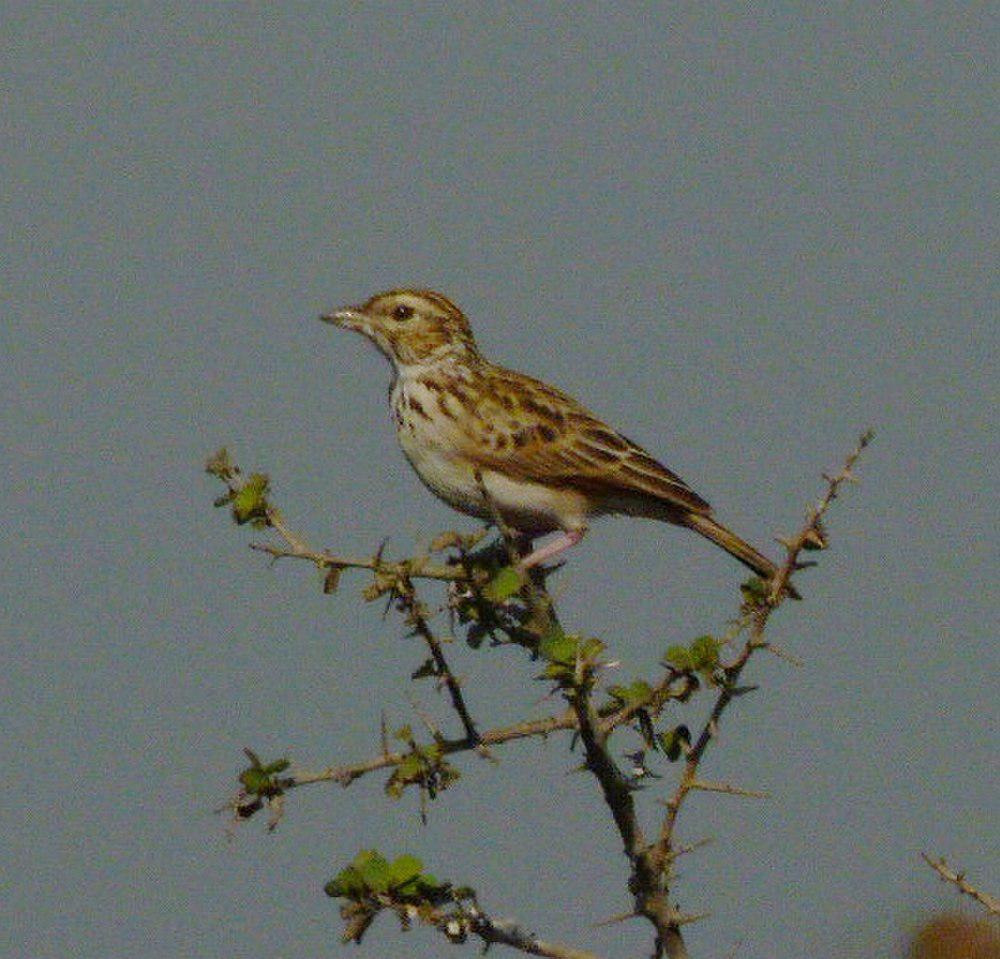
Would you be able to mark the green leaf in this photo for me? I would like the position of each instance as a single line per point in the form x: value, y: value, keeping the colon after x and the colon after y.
x: 254, y: 780
x: 250, y: 502
x: 673, y: 741
x: 373, y: 869
x: 558, y: 647
x: 505, y: 583
x: 679, y: 657
x: 425, y: 669
x: 592, y: 648
x: 348, y: 884
x: 754, y: 590
x: 705, y: 653
x: 394, y: 787
x: 410, y: 888
x: 404, y: 869
x: 404, y: 734
x: 410, y: 767
x: 259, y: 780
x: 635, y: 694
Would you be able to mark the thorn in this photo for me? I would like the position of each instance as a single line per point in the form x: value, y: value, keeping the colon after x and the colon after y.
x: 426, y: 720
x: 728, y: 788
x: 684, y: 850
x: 686, y: 918
x: 782, y: 654
x: 611, y: 920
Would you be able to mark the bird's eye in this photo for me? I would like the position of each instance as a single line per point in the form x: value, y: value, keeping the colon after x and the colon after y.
x: 402, y: 312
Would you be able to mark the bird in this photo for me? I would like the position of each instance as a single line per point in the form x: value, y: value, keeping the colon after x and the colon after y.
x: 492, y: 442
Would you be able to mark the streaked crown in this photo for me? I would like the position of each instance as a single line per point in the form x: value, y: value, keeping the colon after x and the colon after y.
x: 411, y: 326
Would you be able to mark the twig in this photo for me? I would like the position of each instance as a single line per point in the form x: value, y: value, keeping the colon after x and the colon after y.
x: 297, y: 548
x: 468, y: 918
x: 662, y: 693
x: 508, y: 933
x: 645, y: 883
x: 679, y: 851
x: 415, y: 569
x: 811, y: 535
x: 661, y: 852
x: 347, y: 773
x: 614, y: 784
x: 415, y: 612
x: 990, y: 903
x: 715, y: 787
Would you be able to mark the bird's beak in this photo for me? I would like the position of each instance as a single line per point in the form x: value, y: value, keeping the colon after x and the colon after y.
x: 348, y: 318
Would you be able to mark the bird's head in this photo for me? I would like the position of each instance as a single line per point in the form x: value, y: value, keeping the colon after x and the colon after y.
x: 411, y: 327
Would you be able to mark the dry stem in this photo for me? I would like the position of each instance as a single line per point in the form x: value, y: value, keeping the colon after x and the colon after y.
x: 990, y: 903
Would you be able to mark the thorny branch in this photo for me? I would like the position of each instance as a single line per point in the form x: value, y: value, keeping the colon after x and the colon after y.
x: 399, y: 576
x: 220, y: 466
x: 990, y: 903
x: 418, y: 617
x: 346, y: 774
x: 811, y: 536
x: 651, y: 861
x: 458, y: 925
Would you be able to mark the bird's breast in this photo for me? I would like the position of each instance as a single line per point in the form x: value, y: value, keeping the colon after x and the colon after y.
x: 431, y: 445
x: 441, y: 444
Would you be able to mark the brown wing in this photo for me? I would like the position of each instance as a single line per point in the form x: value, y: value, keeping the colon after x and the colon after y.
x: 533, y: 431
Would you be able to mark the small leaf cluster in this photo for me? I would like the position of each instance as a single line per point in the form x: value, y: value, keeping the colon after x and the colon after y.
x: 491, y: 605
x: 505, y: 583
x: 370, y: 873
x: 571, y: 660
x: 498, y: 601
x: 673, y: 743
x: 633, y: 696
x: 260, y: 783
x: 372, y: 883
x: 701, y: 657
x: 423, y: 766
x: 637, y: 696
x: 247, y: 498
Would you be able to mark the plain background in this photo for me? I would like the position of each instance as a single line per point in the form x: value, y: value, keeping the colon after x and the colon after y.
x: 742, y: 234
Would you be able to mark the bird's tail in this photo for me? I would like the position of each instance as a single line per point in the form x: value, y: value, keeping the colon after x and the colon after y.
x: 732, y: 544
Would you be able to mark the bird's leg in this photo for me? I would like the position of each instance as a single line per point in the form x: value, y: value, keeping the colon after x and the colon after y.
x: 554, y: 548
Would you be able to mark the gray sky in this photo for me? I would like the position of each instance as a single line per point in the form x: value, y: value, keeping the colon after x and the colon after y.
x: 741, y: 238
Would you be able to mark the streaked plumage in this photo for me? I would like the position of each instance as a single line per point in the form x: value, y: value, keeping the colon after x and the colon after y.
x: 546, y: 462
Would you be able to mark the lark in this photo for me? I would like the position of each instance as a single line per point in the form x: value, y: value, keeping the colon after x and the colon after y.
x: 493, y: 442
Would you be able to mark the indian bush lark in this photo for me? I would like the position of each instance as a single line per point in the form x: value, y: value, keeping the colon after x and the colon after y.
x: 490, y: 441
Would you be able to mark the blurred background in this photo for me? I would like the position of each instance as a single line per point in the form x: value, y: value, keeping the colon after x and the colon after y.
x: 740, y: 236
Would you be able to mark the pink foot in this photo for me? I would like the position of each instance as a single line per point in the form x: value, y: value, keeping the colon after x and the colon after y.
x: 557, y: 546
